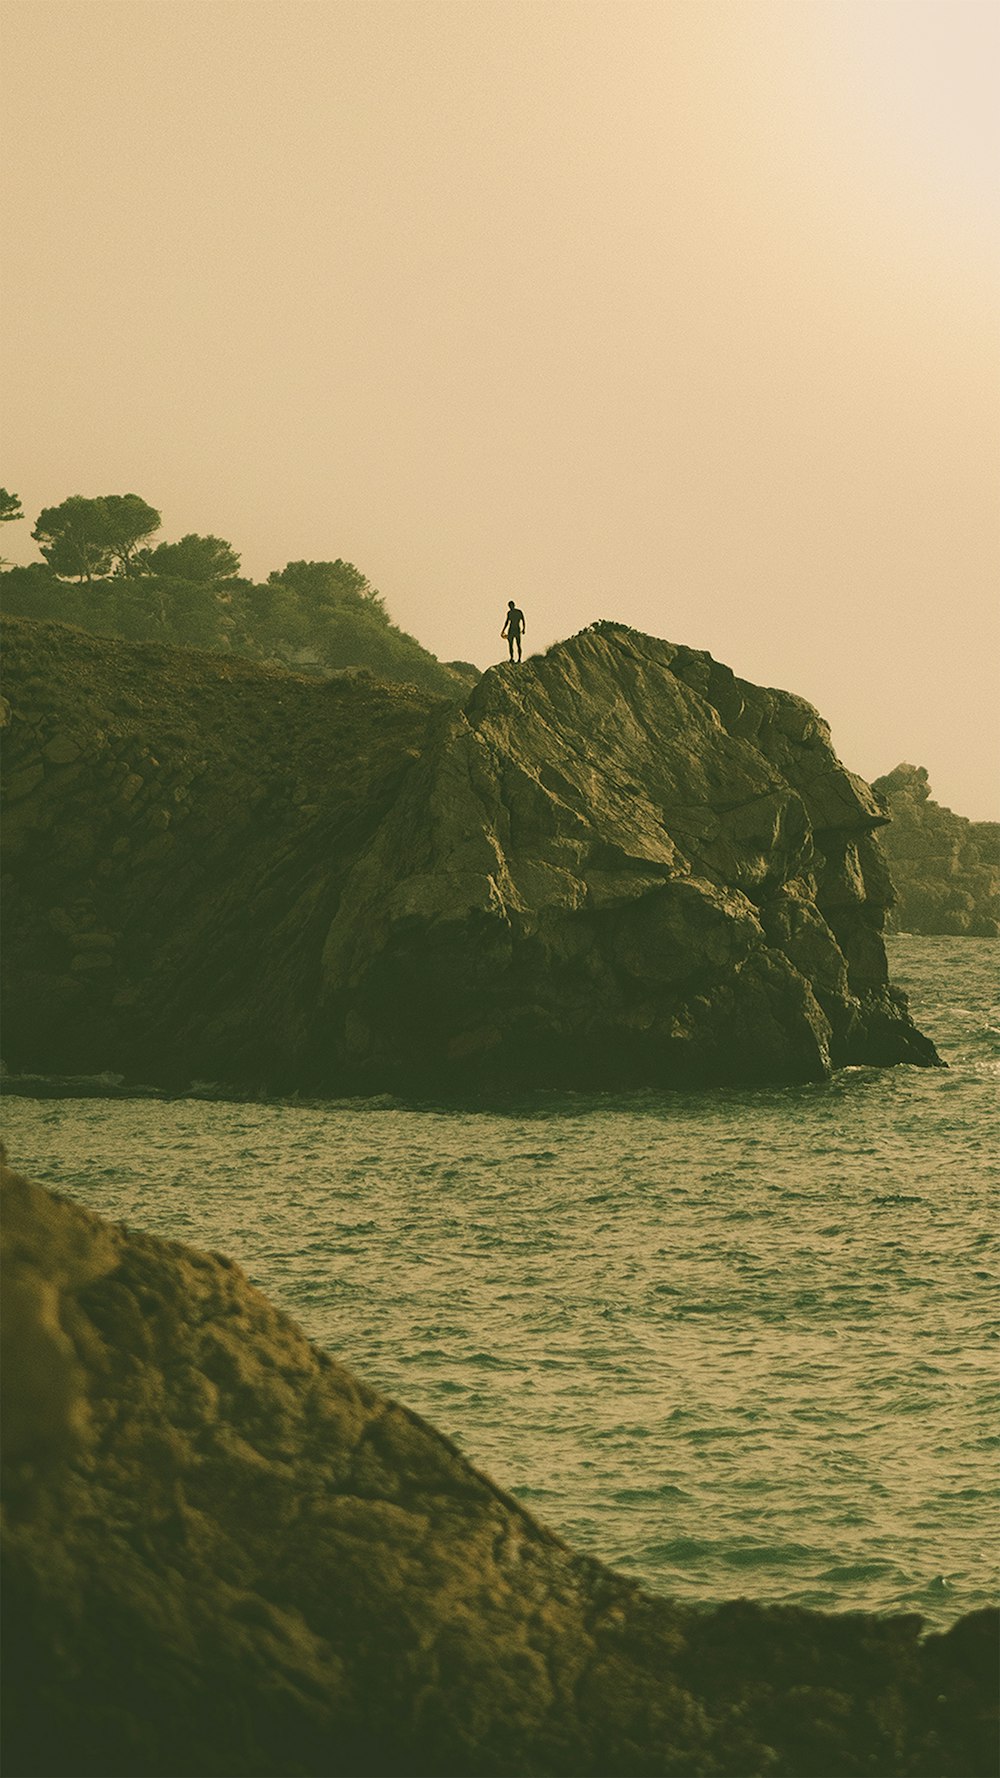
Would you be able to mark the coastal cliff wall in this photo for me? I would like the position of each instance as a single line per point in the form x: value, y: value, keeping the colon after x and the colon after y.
x: 225, y: 1554
x: 176, y: 831
x: 618, y: 864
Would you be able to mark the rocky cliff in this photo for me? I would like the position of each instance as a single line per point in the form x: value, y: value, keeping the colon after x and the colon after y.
x: 224, y: 1554
x: 945, y: 869
x: 616, y: 865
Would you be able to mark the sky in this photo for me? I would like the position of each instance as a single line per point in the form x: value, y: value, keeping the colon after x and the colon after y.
x: 677, y: 312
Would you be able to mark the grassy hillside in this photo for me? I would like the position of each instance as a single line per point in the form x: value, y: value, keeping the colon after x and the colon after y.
x: 315, y: 617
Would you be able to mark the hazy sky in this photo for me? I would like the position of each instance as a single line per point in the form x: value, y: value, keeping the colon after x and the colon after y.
x: 682, y: 312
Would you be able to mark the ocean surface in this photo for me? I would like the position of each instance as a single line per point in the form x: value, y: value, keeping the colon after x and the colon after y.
x: 731, y: 1342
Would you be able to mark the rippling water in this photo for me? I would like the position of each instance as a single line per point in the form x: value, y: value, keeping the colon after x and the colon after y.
x: 730, y: 1342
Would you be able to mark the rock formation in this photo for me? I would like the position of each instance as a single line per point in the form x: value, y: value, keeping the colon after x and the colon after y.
x: 945, y: 869
x: 616, y: 865
x: 226, y: 1555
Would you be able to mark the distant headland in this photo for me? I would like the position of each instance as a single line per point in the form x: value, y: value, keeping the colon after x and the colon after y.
x: 945, y: 869
x: 616, y: 865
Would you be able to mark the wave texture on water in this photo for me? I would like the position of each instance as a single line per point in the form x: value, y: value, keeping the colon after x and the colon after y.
x: 730, y: 1342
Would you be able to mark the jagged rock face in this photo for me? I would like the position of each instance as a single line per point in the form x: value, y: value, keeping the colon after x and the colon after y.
x: 617, y: 865
x: 620, y: 864
x: 224, y: 1554
x: 945, y: 869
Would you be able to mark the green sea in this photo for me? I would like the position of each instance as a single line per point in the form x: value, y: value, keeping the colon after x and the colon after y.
x: 731, y: 1342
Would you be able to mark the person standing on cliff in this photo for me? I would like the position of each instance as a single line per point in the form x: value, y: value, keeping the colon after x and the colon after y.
x: 512, y: 628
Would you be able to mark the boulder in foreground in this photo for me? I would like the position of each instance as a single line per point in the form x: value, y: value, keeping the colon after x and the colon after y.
x: 225, y: 1555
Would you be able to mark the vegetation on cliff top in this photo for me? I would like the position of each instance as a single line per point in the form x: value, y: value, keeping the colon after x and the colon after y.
x: 103, y: 573
x: 945, y: 869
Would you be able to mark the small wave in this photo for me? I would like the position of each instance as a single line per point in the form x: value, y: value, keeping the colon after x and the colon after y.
x: 665, y: 1491
x: 76, y: 1086
x: 846, y: 1573
x: 767, y: 1555
x: 680, y: 1551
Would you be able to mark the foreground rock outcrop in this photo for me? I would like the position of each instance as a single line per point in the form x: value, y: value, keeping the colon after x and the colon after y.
x: 226, y: 1555
x: 945, y: 869
x: 616, y: 865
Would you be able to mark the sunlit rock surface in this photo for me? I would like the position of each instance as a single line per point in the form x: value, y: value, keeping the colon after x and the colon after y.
x: 226, y: 1555
x: 618, y: 865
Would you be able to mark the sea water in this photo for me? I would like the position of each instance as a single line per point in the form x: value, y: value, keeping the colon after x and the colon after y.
x: 731, y: 1342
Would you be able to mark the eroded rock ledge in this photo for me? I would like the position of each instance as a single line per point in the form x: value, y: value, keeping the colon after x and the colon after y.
x: 618, y: 865
x: 226, y: 1555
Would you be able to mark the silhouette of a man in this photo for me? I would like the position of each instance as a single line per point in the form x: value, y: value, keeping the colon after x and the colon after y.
x: 512, y: 628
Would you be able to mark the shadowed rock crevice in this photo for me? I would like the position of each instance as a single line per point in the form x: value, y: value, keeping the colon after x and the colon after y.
x: 224, y: 1554
x: 618, y: 865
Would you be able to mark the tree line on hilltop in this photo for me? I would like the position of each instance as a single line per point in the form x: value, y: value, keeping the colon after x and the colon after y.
x: 103, y: 571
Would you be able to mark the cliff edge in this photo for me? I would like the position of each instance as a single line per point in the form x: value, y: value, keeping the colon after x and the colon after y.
x: 617, y: 865
x: 224, y: 1554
